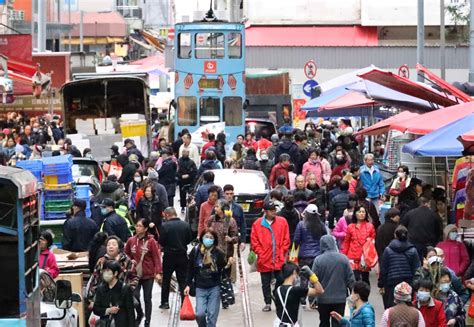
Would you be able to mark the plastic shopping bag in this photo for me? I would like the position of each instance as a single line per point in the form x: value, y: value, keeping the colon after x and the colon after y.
x: 369, y: 253
x: 293, y: 257
x: 187, y: 310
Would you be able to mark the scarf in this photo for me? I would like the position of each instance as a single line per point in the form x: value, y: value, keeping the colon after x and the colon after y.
x: 207, y: 259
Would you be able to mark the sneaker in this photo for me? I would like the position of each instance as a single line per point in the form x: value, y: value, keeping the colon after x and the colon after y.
x: 267, y: 308
x: 164, y: 306
x: 225, y: 306
x: 183, y: 210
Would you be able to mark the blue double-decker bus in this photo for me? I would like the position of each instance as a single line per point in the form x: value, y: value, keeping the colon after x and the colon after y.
x: 209, y: 76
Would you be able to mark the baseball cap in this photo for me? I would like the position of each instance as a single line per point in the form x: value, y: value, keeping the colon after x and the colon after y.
x: 269, y: 205
x: 312, y: 209
x: 107, y: 203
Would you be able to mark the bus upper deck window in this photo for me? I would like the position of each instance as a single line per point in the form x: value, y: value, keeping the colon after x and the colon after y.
x: 187, y: 111
x: 233, y: 111
x: 209, y: 45
x: 234, y: 43
x: 184, y: 45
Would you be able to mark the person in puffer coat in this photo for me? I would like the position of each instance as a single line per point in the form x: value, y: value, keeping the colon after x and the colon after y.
x: 456, y: 256
x: 251, y: 161
x: 362, y: 314
x: 150, y: 207
x: 307, y: 236
x: 110, y: 189
x: 167, y: 175
x: 399, y: 263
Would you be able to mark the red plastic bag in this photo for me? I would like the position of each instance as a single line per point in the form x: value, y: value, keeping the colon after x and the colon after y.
x: 369, y: 253
x: 470, y: 311
x: 187, y: 310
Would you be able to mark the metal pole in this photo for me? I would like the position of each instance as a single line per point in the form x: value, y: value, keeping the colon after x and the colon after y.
x: 41, y: 26
x: 81, y: 33
x: 69, y: 16
x: 471, y: 45
x: 33, y: 4
x: 442, y: 41
x: 420, y: 44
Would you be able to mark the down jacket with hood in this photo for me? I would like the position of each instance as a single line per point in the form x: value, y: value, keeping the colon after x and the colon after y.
x: 110, y: 190
x: 128, y: 171
x: 334, y: 272
x: 289, y: 147
x: 270, y: 243
x: 456, y: 256
x: 308, y: 243
x: 399, y: 263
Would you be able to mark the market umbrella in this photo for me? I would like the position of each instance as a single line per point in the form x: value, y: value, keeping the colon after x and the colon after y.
x: 443, y: 141
x: 384, y: 125
x: 431, y: 121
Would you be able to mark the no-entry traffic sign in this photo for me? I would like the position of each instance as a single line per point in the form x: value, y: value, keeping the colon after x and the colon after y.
x: 310, y: 69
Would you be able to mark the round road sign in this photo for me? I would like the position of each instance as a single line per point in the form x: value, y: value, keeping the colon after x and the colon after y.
x: 310, y: 69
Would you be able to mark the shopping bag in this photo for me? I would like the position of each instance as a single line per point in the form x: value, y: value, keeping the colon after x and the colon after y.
x: 187, y: 310
x: 293, y: 257
x: 252, y: 257
x: 369, y: 254
x: 470, y: 310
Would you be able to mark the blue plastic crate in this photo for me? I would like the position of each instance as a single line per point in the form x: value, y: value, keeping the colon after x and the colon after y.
x: 58, y: 195
x: 58, y: 165
x: 54, y: 215
x: 31, y: 165
x: 37, y: 175
x: 82, y: 191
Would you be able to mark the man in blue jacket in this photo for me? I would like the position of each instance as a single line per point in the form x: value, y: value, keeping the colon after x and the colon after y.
x: 372, y: 180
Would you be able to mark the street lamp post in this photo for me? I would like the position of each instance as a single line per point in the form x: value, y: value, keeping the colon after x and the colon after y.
x: 420, y: 44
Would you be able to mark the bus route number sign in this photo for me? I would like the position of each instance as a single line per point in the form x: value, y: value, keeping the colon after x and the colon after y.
x: 210, y: 66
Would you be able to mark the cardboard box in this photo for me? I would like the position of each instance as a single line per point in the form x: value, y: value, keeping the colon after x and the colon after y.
x: 77, y: 286
x: 132, y: 117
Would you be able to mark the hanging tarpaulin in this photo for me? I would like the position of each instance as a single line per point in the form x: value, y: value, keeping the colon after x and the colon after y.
x: 16, y: 45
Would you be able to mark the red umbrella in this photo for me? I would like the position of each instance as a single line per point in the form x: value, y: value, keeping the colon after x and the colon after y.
x: 384, y: 126
x: 430, y: 121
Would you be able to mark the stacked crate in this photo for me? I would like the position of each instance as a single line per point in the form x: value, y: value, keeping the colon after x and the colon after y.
x: 82, y: 192
x: 33, y: 166
x: 58, y: 186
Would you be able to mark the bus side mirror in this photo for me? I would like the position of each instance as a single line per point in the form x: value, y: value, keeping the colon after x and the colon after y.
x: 63, y: 298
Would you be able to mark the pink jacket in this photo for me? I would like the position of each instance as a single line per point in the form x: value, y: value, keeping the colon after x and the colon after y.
x: 455, y: 256
x: 322, y: 170
x: 50, y: 264
x: 340, y: 230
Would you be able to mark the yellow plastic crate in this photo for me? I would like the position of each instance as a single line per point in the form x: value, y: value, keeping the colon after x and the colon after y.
x: 53, y: 179
x: 130, y: 130
x: 58, y: 187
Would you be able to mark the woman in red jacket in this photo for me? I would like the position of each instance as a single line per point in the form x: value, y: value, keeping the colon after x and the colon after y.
x: 47, y: 260
x: 145, y: 254
x: 358, y: 232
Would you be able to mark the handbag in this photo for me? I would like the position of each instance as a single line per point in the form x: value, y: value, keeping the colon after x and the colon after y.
x: 187, y: 310
x: 470, y: 310
x: 107, y: 322
x: 293, y: 257
x: 369, y: 254
x: 139, y: 267
x: 252, y: 261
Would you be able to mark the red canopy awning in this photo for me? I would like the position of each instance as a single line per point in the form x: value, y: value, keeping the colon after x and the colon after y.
x: 426, y: 123
x: 384, y: 126
x: 443, y: 84
x: 406, y: 86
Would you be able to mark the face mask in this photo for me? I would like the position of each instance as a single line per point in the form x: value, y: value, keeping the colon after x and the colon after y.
x: 351, y: 302
x: 445, y: 287
x: 208, y: 242
x: 315, y: 161
x: 423, y: 296
x: 104, y: 211
x: 308, y: 129
x: 453, y: 236
x: 339, y: 156
x: 433, y: 259
x: 107, y: 276
x: 264, y: 157
x: 401, y: 175
x: 35, y: 130
x: 137, y: 179
x: 297, y: 281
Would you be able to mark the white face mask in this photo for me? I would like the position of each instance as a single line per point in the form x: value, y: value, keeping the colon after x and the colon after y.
x: 401, y: 174
x: 137, y: 179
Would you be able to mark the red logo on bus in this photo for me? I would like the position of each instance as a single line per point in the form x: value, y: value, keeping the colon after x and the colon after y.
x: 210, y: 66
